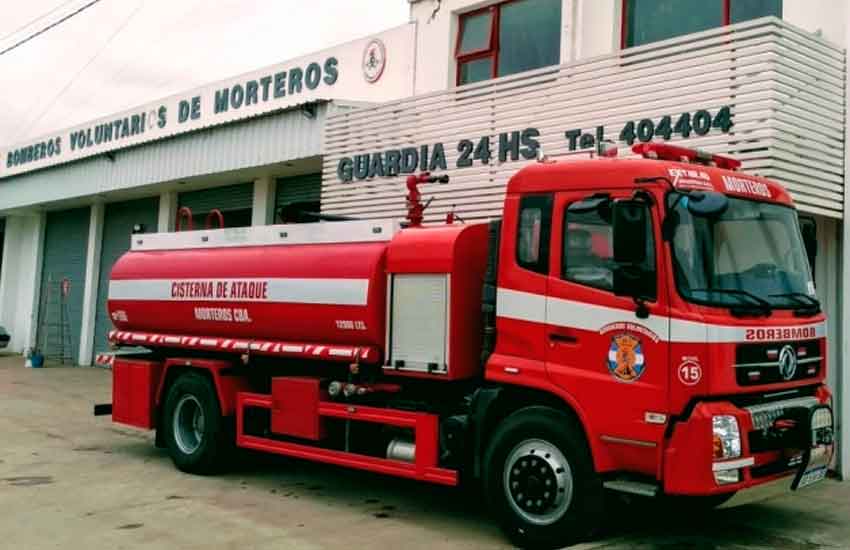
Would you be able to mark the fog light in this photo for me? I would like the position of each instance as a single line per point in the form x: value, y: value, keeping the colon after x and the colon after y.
x: 334, y: 388
x: 726, y: 477
x: 726, y: 437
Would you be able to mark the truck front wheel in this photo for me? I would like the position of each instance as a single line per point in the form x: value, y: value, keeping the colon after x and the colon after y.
x: 194, y: 429
x: 539, y: 479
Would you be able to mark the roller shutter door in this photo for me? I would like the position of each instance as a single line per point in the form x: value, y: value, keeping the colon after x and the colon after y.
x: 118, y: 221
x: 65, y: 242
x: 298, y: 193
x: 234, y: 201
x: 2, y: 241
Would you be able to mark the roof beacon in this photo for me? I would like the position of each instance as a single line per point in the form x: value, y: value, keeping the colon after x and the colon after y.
x: 665, y: 151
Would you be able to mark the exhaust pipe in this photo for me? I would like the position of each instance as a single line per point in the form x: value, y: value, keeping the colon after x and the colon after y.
x: 402, y: 450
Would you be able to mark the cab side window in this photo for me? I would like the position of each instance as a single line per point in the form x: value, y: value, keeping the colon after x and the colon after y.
x: 588, y: 255
x: 588, y: 249
x: 533, y: 232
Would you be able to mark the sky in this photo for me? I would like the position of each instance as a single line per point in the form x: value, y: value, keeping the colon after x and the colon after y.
x: 121, y: 53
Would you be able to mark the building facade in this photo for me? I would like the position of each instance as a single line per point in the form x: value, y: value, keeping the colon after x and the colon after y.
x: 475, y: 89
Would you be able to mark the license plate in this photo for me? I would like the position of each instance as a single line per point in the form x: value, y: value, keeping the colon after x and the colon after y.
x: 812, y: 476
x: 813, y: 469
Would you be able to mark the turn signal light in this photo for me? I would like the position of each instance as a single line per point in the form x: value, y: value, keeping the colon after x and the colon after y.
x: 726, y: 440
x: 717, y: 447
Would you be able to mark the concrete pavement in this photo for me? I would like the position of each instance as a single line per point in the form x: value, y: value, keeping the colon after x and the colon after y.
x: 70, y: 480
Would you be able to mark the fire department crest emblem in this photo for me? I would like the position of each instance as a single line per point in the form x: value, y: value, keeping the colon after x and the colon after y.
x: 374, y: 60
x: 625, y: 358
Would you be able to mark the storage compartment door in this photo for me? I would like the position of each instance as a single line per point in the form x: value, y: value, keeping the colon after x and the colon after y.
x: 419, y: 322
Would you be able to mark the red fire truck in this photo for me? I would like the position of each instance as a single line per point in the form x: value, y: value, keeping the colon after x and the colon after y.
x: 646, y: 325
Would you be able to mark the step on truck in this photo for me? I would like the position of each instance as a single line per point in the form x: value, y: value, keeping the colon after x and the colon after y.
x: 645, y: 324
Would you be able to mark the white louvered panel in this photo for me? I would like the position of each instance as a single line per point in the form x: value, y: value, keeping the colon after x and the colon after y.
x: 419, y: 328
x: 785, y: 88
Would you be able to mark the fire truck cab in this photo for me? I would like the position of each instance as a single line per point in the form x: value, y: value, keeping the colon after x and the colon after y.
x: 668, y: 303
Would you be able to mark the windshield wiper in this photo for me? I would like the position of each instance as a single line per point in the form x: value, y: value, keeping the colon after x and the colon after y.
x: 811, y: 305
x: 757, y: 304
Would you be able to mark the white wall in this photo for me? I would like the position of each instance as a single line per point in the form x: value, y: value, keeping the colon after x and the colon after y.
x: 265, y: 193
x: 590, y: 28
x: 827, y: 16
x: 436, y: 38
x: 827, y: 278
x: 843, y: 401
x: 19, y: 283
x: 90, y: 286
x: 598, y: 31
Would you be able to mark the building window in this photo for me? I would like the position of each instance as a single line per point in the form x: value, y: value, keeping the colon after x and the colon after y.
x: 646, y: 21
x: 508, y: 38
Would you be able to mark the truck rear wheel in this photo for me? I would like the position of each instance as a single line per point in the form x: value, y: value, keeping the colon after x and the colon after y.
x: 195, y: 433
x: 539, y: 479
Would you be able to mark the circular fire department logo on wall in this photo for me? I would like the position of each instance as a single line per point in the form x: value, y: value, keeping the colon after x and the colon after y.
x: 374, y: 60
x: 625, y: 358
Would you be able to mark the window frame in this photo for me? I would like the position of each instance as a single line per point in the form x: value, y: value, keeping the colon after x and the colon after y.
x: 491, y: 52
x: 624, y: 18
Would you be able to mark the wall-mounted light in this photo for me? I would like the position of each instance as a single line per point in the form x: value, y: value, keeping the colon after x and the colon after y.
x: 138, y: 228
x: 309, y: 110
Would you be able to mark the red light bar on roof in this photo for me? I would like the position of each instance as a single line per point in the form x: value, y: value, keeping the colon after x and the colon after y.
x: 665, y: 151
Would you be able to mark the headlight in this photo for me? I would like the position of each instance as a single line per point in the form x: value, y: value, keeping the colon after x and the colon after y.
x: 727, y: 437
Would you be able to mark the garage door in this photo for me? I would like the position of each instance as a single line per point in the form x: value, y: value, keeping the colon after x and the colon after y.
x: 119, y: 219
x: 65, y: 241
x: 234, y: 201
x: 2, y: 241
x: 296, y: 195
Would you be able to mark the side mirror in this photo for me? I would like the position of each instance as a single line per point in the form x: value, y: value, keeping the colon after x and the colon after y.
x: 810, y: 240
x: 707, y: 204
x: 630, y: 231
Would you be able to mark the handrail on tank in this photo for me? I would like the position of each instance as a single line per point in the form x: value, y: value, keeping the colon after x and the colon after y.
x: 215, y: 212
x: 184, y: 212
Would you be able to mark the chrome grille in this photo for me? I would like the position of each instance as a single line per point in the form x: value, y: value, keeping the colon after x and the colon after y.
x: 765, y: 414
x: 757, y: 364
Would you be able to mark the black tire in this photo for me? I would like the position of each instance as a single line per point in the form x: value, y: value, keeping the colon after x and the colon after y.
x: 202, y: 447
x: 544, y: 438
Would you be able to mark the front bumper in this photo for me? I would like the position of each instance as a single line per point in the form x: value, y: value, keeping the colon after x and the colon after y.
x: 777, y: 442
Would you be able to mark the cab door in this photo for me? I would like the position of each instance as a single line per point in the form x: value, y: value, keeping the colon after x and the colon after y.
x: 612, y: 361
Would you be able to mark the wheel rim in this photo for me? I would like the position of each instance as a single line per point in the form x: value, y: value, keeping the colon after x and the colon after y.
x: 188, y: 424
x: 538, y: 482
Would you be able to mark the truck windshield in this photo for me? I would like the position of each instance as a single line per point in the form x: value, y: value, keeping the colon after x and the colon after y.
x: 751, y: 257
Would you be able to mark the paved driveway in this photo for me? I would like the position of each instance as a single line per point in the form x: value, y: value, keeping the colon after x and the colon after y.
x: 70, y: 480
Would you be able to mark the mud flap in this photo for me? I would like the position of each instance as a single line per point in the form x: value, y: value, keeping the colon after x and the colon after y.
x: 818, y: 450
